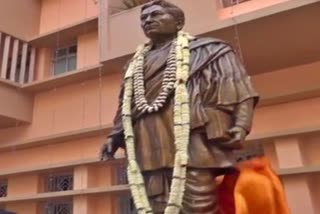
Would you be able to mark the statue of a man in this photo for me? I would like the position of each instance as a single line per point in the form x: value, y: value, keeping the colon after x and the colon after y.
x: 221, y: 101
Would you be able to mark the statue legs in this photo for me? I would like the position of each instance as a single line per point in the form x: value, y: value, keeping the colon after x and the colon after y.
x: 200, y: 195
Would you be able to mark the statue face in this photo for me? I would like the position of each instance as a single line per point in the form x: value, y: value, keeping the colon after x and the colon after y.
x: 156, y: 21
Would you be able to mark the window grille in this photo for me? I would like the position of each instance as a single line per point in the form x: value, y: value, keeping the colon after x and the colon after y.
x: 59, y: 182
x: 58, y: 207
x: 3, y: 188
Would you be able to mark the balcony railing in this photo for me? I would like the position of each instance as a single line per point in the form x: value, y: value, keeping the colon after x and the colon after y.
x: 228, y: 3
x: 17, y: 59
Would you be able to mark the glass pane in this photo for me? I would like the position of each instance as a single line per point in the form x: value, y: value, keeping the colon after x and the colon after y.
x: 61, y: 52
x: 72, y: 63
x: 60, y: 66
x: 73, y: 49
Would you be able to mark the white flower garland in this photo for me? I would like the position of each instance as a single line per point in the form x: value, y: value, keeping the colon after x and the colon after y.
x: 168, y: 82
x: 181, y: 126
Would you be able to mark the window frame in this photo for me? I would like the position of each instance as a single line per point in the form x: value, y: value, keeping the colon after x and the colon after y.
x: 65, y: 57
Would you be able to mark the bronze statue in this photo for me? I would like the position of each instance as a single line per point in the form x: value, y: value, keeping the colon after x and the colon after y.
x: 221, y: 102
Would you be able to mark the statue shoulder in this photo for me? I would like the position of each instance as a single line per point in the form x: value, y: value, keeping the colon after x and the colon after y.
x: 206, y: 42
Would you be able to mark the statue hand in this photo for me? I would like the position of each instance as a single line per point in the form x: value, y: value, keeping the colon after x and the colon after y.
x: 107, y: 150
x: 237, y: 137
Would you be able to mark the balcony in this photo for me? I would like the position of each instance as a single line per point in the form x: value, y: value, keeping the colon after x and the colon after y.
x: 17, y: 59
x: 66, y: 33
x: 17, y: 67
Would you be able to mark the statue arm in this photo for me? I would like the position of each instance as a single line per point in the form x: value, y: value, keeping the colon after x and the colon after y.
x: 117, y: 130
x: 243, y: 114
x: 117, y: 134
x: 237, y: 96
x: 115, y: 139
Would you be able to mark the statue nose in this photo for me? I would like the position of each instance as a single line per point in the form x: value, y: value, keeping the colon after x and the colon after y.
x: 148, y: 19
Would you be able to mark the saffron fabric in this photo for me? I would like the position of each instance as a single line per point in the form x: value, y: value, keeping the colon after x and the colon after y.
x: 253, y: 188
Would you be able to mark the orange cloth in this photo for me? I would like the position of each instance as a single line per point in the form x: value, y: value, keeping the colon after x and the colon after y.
x: 253, y: 189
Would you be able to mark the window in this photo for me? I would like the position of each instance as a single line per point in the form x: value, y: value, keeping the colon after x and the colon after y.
x: 65, y: 59
x: 59, y: 182
x: 228, y: 3
x: 3, y: 188
x: 58, y: 207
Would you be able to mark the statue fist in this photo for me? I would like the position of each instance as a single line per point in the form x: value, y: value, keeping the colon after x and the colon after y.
x: 107, y: 150
x: 237, y: 137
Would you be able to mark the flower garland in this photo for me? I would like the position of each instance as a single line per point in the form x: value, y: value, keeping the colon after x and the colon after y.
x: 168, y: 82
x: 180, y: 53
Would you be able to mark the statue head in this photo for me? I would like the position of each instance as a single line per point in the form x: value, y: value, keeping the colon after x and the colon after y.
x: 160, y: 18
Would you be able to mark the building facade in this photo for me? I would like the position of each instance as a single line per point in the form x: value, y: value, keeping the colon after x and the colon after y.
x: 60, y: 71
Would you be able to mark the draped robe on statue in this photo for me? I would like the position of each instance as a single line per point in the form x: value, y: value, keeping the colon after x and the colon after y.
x: 220, y: 94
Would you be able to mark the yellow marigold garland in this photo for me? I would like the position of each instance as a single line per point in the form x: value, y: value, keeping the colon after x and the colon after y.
x: 181, y: 131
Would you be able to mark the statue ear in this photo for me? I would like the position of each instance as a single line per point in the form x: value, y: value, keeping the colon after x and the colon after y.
x: 179, y: 25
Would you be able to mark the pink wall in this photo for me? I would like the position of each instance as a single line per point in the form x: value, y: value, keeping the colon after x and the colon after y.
x: 199, y: 19
x: 314, y: 186
x: 310, y: 147
x: 85, y: 105
x: 22, y: 185
x: 88, y: 50
x: 101, y: 205
x: 51, y: 154
x: 87, y: 55
x: 16, y: 104
x: 24, y: 18
x: 43, y: 67
x: 286, y: 117
x: 101, y: 176
x: 298, y: 194
x: 29, y: 207
x: 57, y: 14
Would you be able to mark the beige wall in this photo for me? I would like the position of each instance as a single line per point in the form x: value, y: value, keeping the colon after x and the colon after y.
x: 57, y: 14
x: 20, y: 18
